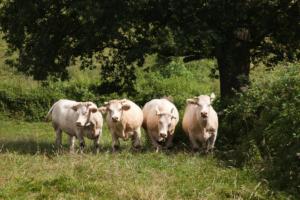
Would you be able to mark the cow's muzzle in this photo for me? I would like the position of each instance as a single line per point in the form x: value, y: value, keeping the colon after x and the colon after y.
x: 163, y: 135
x: 204, y: 115
x: 115, y: 119
x: 79, y: 124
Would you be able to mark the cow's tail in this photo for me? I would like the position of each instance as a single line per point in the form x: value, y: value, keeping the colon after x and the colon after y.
x: 48, y: 116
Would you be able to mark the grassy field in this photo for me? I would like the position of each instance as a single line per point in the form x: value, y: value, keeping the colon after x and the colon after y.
x: 31, y: 168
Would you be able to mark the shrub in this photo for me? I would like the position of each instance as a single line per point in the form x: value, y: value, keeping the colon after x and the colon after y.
x: 267, y: 118
x: 177, y: 79
x: 32, y: 100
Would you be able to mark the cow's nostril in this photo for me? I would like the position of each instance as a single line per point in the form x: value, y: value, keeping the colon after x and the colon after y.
x: 163, y: 135
x: 115, y: 119
x: 78, y: 124
x: 204, y: 114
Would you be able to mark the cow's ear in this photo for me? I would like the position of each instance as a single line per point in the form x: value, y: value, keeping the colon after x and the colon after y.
x: 212, y: 97
x: 125, y: 106
x: 103, y: 109
x: 75, y: 107
x: 191, y: 101
x: 93, y: 109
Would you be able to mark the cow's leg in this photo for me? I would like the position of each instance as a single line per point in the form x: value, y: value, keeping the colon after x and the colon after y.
x: 72, y: 140
x: 136, y: 139
x: 58, y: 132
x: 96, y: 144
x: 97, y: 141
x: 81, y: 140
x: 204, y: 144
x: 193, y: 140
x: 115, y: 142
x: 211, y: 141
x: 154, y: 142
x: 169, y: 143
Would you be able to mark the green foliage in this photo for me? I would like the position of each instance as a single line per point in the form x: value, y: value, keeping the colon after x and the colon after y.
x: 176, y: 79
x: 264, y: 123
x: 49, y: 35
x: 23, y: 98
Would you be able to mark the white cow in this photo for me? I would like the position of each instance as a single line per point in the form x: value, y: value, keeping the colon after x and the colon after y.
x: 77, y: 119
x: 160, y: 119
x: 200, y: 122
x: 124, y: 119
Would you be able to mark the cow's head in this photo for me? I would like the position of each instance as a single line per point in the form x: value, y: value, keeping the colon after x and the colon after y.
x: 115, y: 109
x: 203, y: 102
x: 84, y: 110
x: 164, y: 123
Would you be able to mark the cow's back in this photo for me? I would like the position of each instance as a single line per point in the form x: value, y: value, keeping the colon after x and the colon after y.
x: 149, y: 111
x: 213, y: 119
x: 134, y: 116
x: 97, y: 119
x: 63, y: 116
x: 192, y: 119
x: 189, y: 118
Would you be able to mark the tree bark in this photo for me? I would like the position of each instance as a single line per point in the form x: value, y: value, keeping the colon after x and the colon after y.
x: 234, y: 65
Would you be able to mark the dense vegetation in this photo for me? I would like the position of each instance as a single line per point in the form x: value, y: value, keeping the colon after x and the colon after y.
x: 260, y: 130
x: 96, y: 51
x: 264, y: 125
x: 33, y: 100
x: 50, y: 35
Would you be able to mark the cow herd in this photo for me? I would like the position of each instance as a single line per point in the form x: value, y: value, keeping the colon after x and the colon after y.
x: 124, y: 118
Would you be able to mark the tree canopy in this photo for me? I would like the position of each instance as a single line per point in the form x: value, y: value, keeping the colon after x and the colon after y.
x: 49, y: 35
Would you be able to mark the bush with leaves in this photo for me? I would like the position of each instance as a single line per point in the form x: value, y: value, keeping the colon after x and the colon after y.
x: 176, y: 79
x: 264, y: 124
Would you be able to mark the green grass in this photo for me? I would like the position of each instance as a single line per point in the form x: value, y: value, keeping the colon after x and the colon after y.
x: 31, y: 168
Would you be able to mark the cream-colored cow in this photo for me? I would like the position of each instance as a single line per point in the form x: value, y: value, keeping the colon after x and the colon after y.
x: 160, y: 119
x: 78, y: 120
x: 124, y: 119
x: 200, y: 122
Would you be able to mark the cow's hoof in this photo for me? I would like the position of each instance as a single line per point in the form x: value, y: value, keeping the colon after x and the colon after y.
x: 158, y: 149
x: 96, y: 151
x: 137, y: 148
x: 115, y: 148
x: 72, y: 151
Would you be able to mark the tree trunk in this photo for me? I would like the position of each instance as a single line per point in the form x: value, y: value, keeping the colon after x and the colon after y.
x: 234, y: 66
